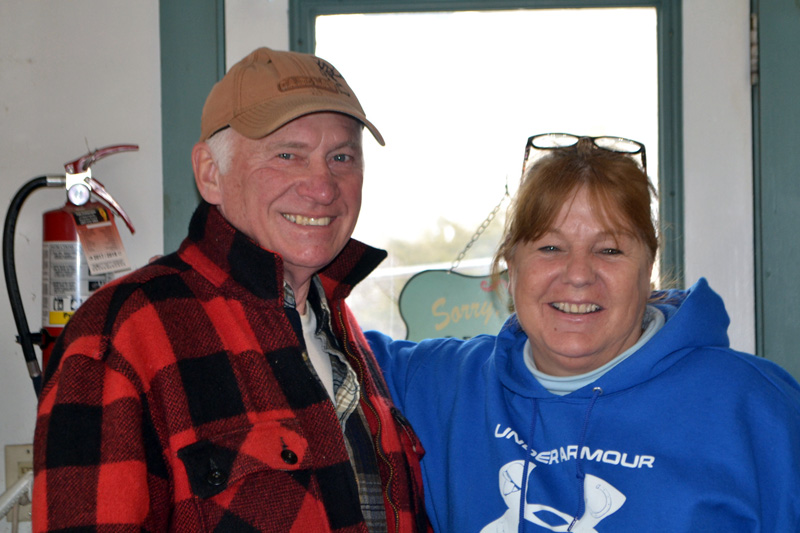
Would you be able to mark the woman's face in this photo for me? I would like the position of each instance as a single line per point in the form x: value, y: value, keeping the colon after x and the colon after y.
x: 579, y: 291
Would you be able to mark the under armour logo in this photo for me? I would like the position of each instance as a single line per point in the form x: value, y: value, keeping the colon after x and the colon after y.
x: 602, y: 500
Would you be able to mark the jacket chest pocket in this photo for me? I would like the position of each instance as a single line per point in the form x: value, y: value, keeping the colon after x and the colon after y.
x: 268, y: 450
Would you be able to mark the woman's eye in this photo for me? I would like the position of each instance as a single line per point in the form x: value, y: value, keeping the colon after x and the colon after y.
x: 611, y: 251
x: 548, y: 248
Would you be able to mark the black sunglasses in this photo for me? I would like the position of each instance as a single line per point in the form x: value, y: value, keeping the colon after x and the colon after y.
x: 555, y: 141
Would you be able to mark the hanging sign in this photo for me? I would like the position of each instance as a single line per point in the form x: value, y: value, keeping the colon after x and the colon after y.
x: 442, y: 303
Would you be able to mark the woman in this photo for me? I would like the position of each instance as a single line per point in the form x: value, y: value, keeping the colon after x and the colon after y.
x: 598, y: 407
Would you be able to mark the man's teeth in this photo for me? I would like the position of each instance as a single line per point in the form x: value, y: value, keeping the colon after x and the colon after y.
x: 576, y: 309
x: 307, y: 221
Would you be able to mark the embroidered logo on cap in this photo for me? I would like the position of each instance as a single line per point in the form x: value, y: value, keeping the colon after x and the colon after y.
x: 330, y: 82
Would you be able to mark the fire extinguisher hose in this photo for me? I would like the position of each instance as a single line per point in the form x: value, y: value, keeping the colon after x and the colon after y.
x: 25, y: 337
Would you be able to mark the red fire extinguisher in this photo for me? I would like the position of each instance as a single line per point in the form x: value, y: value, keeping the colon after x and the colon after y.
x: 81, y: 250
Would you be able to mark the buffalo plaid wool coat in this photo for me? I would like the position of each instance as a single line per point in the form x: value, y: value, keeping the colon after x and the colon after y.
x: 177, y: 399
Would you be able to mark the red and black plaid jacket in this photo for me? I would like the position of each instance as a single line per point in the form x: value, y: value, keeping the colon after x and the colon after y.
x: 177, y: 400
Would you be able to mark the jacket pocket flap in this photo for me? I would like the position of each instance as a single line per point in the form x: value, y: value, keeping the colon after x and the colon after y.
x: 215, y: 463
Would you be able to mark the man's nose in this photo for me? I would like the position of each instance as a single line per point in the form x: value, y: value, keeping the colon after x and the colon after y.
x: 319, y: 184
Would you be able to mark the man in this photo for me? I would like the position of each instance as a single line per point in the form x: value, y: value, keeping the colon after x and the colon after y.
x: 226, y: 387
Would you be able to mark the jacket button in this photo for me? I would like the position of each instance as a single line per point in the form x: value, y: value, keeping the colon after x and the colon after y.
x: 288, y: 456
x: 215, y: 478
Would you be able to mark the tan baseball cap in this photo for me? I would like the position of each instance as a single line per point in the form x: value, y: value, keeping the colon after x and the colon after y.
x: 269, y: 88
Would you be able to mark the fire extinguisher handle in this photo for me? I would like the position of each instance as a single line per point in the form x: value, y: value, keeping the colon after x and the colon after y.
x: 99, y: 190
x: 83, y: 163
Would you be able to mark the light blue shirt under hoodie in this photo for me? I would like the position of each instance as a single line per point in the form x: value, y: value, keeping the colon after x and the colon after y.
x: 652, y: 322
x: 684, y: 435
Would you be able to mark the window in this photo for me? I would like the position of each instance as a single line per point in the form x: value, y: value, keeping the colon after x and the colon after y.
x: 456, y: 94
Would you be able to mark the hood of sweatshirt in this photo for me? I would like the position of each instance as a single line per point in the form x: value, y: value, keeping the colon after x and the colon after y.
x: 694, y: 317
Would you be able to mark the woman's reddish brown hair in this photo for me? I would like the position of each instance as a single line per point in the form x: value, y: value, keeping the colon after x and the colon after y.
x: 621, y: 192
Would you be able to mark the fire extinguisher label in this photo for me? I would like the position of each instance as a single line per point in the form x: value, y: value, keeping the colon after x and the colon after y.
x: 99, y: 237
x: 66, y: 281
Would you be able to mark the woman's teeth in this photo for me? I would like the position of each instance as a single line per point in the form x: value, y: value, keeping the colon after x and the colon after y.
x: 576, y: 309
x: 307, y: 221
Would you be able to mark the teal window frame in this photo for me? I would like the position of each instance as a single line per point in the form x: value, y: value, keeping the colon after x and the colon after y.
x: 192, y: 36
x: 302, y: 22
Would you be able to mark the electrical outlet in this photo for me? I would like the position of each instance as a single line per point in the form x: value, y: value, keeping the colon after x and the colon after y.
x: 19, y: 460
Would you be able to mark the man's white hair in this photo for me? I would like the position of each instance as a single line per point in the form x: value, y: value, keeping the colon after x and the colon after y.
x: 221, y: 146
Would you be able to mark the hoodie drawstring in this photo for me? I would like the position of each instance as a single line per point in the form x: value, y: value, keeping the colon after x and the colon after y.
x: 524, y: 489
x: 579, y: 474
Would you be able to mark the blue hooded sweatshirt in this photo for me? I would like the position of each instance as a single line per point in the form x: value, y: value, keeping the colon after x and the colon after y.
x: 684, y: 435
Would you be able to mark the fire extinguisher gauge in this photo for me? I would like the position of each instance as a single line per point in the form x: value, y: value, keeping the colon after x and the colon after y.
x: 78, y: 194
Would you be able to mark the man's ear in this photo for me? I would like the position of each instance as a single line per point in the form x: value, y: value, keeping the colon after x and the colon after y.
x: 206, y: 174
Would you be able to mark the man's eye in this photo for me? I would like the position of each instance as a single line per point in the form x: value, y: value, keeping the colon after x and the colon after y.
x: 342, y: 158
x: 285, y: 156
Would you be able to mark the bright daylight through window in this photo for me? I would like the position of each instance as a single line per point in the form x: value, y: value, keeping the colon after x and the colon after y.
x: 456, y: 95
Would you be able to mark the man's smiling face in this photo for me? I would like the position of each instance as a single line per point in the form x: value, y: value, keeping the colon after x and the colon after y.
x: 297, y: 191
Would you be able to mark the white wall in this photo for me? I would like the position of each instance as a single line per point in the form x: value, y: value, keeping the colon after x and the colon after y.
x: 73, y: 73
x: 718, y: 182
x: 83, y: 72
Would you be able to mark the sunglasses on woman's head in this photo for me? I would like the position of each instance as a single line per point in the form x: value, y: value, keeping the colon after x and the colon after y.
x: 555, y: 141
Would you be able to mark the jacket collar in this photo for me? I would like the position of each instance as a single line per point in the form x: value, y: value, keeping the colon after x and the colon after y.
x: 223, y: 253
